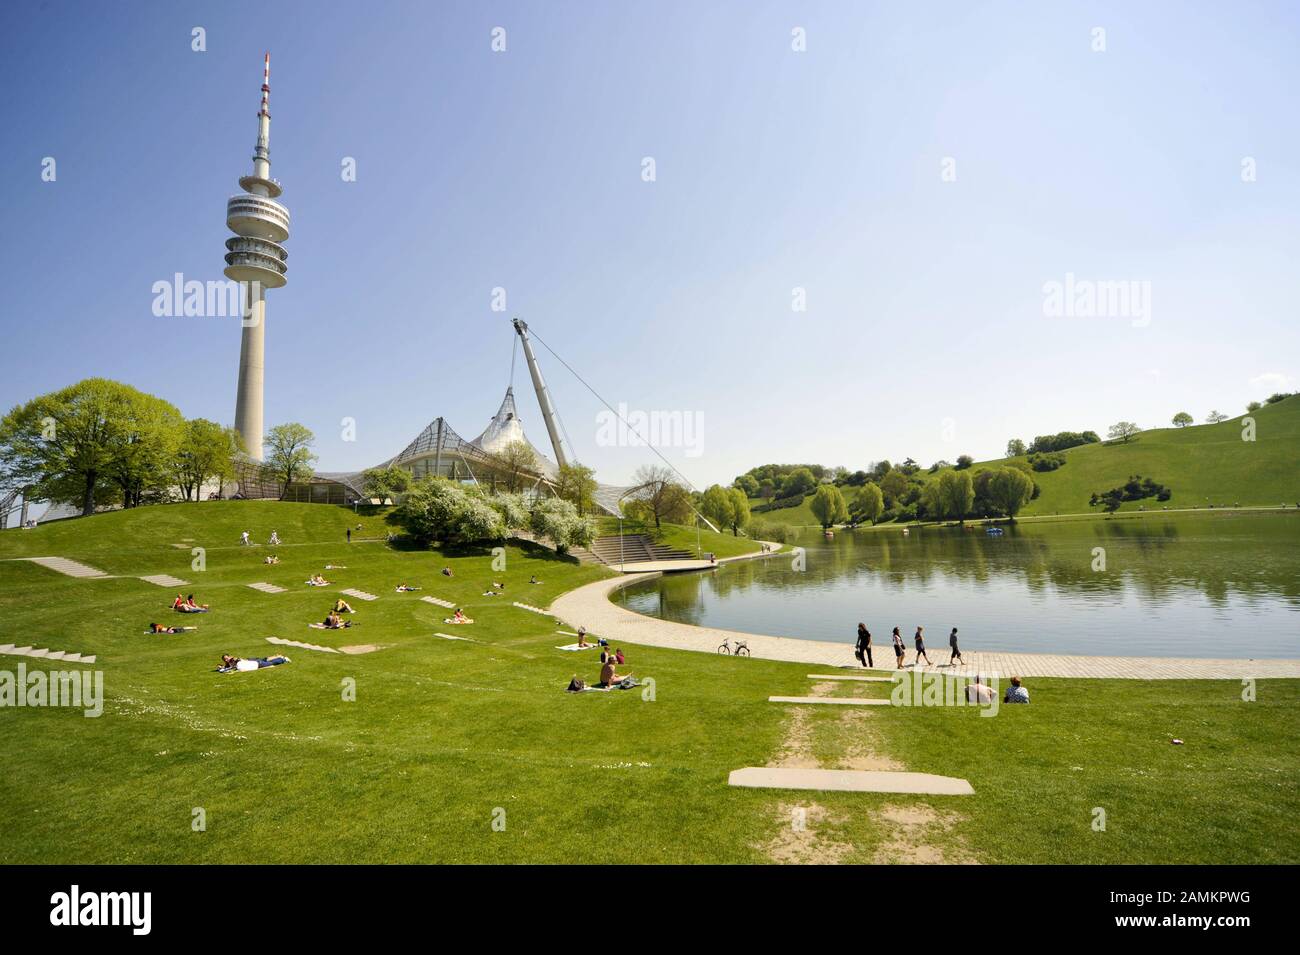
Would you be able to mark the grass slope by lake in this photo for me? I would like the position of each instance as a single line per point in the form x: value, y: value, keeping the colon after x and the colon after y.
x: 1203, y: 464
x: 443, y: 734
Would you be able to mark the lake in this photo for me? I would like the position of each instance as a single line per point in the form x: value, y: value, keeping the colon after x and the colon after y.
x: 1204, y: 585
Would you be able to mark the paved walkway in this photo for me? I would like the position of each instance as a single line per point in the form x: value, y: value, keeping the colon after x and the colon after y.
x: 590, y: 606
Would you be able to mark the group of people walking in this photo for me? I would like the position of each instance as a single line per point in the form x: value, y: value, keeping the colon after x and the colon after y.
x: 863, y: 651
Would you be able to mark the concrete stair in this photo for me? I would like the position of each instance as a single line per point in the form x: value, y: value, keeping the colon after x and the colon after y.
x: 634, y: 548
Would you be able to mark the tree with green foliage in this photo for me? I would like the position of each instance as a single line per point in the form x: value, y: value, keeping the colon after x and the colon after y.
x: 436, y: 509
x: 1182, y: 419
x: 828, y: 506
x: 715, y: 505
x: 893, y: 485
x: 1214, y: 417
x: 1122, y: 431
x: 1010, y: 489
x: 558, y: 521
x: 748, y: 484
x: 75, y: 444
x: 514, y: 463
x: 659, y: 496
x: 868, y: 503
x: 385, y: 483
x: 289, y: 456
x: 1253, y: 406
x: 963, y: 462
x: 206, y: 450
x: 1015, y: 448
x: 798, y: 481
x: 956, y: 493
x: 576, y: 483
x: 739, y: 517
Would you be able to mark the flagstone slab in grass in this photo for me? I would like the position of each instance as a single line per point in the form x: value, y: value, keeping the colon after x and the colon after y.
x: 531, y: 608
x: 359, y: 594
x: 267, y: 588
x: 63, y: 656
x: 850, y: 780
x: 298, y: 643
x: 70, y: 567
x: 830, y: 700
x: 439, y: 602
x: 165, y: 580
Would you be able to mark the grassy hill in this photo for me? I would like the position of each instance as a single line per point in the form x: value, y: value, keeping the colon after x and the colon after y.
x: 1202, y: 465
x: 442, y: 735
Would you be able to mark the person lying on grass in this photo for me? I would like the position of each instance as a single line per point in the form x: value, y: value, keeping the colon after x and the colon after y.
x: 317, y: 581
x: 335, y: 567
x: 458, y: 617
x: 533, y: 579
x: 491, y: 593
x: 334, y: 622
x: 342, y: 606
x: 159, y: 628
x: 406, y: 589
x: 609, y: 676
x: 229, y: 663
x: 271, y: 559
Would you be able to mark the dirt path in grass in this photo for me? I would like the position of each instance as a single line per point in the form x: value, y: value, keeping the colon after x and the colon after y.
x: 809, y: 834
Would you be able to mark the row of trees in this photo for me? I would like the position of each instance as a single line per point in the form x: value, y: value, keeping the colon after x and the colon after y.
x: 100, y: 442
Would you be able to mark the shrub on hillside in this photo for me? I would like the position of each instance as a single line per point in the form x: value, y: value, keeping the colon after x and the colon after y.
x: 436, y: 509
x: 1062, y: 440
x: 1046, y: 462
x: 558, y: 521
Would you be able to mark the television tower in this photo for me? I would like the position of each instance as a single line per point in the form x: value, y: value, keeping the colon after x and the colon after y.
x: 255, y: 258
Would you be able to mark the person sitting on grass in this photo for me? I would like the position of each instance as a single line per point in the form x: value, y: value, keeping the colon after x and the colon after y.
x: 446, y: 572
x: 334, y: 622
x: 1016, y: 693
x: 498, y: 585
x: 317, y: 581
x: 275, y: 539
x: 272, y: 559
x: 179, y: 602
x: 229, y: 662
x: 533, y: 579
x: 977, y: 691
x: 192, y: 607
x: 342, y: 606
x: 582, y: 638
x: 159, y: 628
x: 619, y: 658
x: 609, y: 676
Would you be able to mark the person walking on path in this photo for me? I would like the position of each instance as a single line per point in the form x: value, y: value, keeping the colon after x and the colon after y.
x: 899, y: 647
x: 864, y: 646
x: 349, y: 535
x: 920, y: 648
x: 956, y: 653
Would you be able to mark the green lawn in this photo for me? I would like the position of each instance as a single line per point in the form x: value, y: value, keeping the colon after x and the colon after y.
x: 443, y: 734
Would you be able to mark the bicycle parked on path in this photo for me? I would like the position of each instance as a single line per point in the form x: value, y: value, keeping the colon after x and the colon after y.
x: 741, y: 648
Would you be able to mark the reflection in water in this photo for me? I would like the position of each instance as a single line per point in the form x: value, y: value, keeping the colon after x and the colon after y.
x: 1196, y: 585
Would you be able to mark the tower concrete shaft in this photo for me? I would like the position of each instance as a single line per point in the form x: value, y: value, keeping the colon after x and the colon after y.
x: 256, y: 259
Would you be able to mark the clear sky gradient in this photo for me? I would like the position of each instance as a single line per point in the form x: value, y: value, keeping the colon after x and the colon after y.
x: 925, y: 332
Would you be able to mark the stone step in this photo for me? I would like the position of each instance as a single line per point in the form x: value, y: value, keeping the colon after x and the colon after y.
x: 829, y: 700
x: 850, y: 780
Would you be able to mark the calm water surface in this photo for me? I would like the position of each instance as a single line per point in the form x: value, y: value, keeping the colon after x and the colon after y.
x: 1196, y: 585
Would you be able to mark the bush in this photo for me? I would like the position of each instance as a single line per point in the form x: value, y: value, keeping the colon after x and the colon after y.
x: 1046, y: 462
x: 558, y: 521
x: 778, y: 533
x: 436, y: 509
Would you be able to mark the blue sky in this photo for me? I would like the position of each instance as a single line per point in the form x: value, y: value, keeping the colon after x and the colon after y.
x: 925, y: 331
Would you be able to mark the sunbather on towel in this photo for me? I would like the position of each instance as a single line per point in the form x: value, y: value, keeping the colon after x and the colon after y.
x: 159, y: 628
x: 342, y: 606
x: 406, y: 589
x: 457, y: 617
x: 335, y: 622
x: 318, y: 581
x: 192, y: 607
x: 272, y: 559
x: 229, y: 663
x: 609, y: 676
